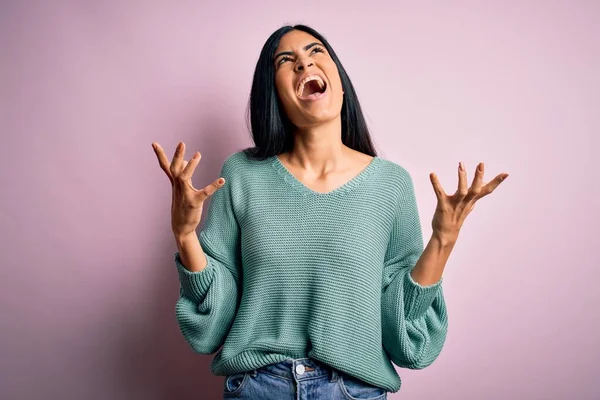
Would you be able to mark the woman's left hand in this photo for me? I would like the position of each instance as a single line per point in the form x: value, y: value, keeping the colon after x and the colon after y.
x: 451, y: 211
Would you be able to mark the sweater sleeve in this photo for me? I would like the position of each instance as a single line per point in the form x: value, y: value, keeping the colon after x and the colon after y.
x: 208, y: 299
x: 414, y: 319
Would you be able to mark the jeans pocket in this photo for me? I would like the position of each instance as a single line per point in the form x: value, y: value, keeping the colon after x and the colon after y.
x: 234, y: 383
x: 356, y: 389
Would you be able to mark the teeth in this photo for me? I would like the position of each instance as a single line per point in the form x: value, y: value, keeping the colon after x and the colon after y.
x: 308, y: 79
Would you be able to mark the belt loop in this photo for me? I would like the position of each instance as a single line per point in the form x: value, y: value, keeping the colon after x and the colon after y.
x: 334, y: 375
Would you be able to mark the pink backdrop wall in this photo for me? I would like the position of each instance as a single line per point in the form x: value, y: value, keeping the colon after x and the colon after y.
x: 88, y: 281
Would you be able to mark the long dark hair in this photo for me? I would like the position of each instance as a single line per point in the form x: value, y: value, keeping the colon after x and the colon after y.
x: 271, y: 129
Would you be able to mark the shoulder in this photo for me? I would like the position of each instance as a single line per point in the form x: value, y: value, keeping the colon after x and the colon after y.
x: 240, y: 166
x: 234, y: 160
x: 241, y: 157
x: 398, y: 173
x: 399, y: 183
x: 235, y: 163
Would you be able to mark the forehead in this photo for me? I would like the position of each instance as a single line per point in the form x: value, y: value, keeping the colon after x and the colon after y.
x: 295, y: 40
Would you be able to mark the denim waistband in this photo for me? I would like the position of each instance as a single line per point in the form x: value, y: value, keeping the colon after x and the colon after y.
x: 300, y: 369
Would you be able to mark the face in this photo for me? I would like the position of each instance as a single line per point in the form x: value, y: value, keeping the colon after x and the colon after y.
x: 298, y: 56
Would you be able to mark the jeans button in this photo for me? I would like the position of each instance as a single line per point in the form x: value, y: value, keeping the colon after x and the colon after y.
x: 299, y: 369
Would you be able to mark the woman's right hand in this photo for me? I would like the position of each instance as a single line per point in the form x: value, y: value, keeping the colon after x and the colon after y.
x: 187, y: 201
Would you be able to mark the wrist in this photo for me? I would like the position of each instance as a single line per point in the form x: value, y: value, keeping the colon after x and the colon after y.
x: 444, y: 240
x: 183, y: 238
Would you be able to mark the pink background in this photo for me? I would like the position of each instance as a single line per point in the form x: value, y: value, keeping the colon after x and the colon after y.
x: 88, y: 280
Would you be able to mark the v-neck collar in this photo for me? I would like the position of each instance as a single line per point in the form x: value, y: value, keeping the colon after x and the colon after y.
x: 349, y: 185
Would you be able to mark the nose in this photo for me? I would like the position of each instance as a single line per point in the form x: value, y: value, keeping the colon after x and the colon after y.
x: 303, y: 63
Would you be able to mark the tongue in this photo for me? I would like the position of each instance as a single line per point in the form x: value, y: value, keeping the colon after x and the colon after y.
x: 311, y: 87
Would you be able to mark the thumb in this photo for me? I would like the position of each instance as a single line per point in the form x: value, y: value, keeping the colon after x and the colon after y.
x: 212, y: 188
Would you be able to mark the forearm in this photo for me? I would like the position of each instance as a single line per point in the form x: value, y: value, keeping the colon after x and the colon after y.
x: 430, y: 266
x: 191, y: 253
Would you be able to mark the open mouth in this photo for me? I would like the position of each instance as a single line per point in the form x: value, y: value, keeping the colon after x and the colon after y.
x: 312, y: 88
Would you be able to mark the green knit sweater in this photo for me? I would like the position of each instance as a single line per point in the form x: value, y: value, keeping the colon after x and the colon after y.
x: 296, y: 273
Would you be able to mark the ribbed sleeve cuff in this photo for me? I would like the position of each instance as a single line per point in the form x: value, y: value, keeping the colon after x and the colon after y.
x: 418, y: 298
x: 195, y: 284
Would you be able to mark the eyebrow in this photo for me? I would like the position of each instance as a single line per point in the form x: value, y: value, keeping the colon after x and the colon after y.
x: 308, y: 46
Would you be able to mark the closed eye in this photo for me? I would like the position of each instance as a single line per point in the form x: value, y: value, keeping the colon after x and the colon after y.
x: 315, y: 49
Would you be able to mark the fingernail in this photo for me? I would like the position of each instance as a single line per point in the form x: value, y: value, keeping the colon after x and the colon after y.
x: 460, y: 166
x: 195, y: 156
x: 221, y: 181
x: 480, y: 167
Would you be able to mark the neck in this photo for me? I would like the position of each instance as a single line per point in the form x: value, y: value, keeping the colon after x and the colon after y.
x: 319, y: 147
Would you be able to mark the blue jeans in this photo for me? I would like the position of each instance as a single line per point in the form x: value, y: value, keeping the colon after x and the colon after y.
x: 298, y: 379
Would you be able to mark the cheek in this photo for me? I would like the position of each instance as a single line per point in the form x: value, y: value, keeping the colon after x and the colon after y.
x: 335, y: 80
x: 278, y: 85
x: 283, y: 87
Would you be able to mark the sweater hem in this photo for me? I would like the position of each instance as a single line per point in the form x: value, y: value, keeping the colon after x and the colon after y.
x: 194, y: 285
x: 251, y: 359
x: 418, y: 298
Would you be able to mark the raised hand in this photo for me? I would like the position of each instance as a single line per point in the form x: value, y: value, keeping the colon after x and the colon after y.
x: 187, y: 201
x: 451, y: 211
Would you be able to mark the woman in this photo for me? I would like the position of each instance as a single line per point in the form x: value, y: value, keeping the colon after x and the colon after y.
x: 310, y: 269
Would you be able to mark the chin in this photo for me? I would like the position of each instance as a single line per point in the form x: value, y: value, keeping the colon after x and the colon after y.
x: 317, y: 118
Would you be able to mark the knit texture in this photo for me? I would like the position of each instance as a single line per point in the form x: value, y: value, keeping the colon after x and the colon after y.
x: 296, y: 273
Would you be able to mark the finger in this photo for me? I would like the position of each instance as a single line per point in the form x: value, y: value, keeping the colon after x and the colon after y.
x: 437, y: 187
x: 190, y: 167
x: 478, y: 178
x: 492, y: 185
x: 186, y: 183
x: 163, y: 161
x: 475, y: 189
x: 463, y: 190
x: 177, y: 162
x: 212, y: 188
